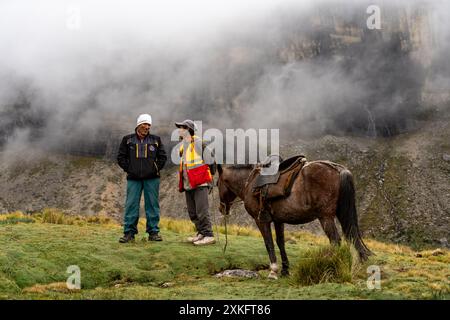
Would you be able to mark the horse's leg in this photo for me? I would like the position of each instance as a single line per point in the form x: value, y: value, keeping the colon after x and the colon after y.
x: 279, y: 231
x: 330, y: 229
x: 266, y: 232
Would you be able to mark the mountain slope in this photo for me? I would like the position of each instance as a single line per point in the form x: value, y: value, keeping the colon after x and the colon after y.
x: 402, y: 188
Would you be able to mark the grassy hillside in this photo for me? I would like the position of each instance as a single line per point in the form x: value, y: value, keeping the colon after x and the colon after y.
x: 36, y: 251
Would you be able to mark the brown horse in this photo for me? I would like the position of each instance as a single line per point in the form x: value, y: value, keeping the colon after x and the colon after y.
x: 322, y: 190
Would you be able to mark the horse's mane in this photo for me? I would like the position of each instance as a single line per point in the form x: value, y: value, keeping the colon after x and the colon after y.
x: 234, y: 167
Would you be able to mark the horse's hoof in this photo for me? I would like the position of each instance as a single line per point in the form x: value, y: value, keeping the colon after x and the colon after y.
x: 285, y: 273
x: 272, y: 275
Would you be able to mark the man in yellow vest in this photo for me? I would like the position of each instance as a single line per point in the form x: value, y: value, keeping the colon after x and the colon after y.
x: 195, y: 179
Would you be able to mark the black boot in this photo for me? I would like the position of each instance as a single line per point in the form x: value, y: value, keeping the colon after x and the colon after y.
x: 127, y: 237
x: 154, y: 236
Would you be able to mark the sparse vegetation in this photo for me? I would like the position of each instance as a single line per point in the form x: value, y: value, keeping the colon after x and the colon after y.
x: 114, y: 179
x: 41, y: 168
x: 97, y: 207
x: 83, y: 162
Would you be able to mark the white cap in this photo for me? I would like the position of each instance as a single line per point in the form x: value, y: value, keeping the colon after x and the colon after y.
x: 144, y: 118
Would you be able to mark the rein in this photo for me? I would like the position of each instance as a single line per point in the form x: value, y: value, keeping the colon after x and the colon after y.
x: 225, y: 218
x: 223, y: 207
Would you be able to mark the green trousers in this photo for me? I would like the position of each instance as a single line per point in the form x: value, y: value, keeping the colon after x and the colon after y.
x: 151, y: 198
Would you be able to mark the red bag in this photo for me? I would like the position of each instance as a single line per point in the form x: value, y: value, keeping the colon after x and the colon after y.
x: 199, y: 175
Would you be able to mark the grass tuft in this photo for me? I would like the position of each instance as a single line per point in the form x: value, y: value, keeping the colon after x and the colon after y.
x: 324, y: 264
x: 15, y: 218
x: 54, y: 216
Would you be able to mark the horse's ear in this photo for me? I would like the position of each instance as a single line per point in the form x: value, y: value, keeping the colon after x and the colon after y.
x: 219, y: 169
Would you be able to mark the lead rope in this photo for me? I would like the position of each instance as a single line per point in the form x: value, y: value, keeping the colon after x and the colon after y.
x: 214, y: 215
x: 225, y: 218
x: 225, y: 221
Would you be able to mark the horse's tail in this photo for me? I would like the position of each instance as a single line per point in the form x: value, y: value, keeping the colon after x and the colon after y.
x: 346, y: 213
x: 219, y: 168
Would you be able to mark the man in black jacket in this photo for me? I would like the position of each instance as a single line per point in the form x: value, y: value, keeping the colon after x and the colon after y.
x: 142, y: 156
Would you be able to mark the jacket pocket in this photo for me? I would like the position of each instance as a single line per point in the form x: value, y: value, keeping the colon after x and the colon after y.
x: 133, y: 169
x: 156, y: 167
x: 148, y: 170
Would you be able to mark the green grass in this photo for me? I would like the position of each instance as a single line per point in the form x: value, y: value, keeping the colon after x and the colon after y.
x: 35, y: 256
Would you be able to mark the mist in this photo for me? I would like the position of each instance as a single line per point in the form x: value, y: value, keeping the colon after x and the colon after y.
x: 77, y: 73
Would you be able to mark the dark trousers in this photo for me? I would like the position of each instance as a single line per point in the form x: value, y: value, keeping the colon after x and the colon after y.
x: 198, y: 208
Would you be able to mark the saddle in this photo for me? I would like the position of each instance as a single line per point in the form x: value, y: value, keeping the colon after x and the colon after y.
x: 278, y: 184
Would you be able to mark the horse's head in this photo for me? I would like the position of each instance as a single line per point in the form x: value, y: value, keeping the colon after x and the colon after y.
x: 226, y: 195
x: 231, y: 184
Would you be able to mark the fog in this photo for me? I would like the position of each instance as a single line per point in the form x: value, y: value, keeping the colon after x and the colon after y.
x: 74, y: 71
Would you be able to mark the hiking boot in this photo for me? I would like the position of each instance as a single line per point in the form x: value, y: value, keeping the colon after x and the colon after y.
x: 205, y: 241
x: 197, y: 237
x: 154, y: 237
x: 127, y: 237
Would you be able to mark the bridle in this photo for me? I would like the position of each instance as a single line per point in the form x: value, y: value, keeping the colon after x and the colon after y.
x: 223, y: 205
